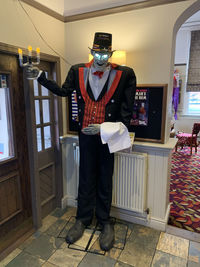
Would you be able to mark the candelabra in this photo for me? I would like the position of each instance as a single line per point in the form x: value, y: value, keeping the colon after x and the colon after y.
x: 31, y: 71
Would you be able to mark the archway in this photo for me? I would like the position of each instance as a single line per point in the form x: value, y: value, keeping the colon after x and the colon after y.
x: 193, y: 9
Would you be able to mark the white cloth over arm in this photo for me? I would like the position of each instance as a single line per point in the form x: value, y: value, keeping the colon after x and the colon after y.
x: 116, y: 135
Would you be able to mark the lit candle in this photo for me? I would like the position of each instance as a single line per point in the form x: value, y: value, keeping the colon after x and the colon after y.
x: 38, y: 55
x: 38, y: 51
x: 20, y: 53
x: 30, y: 51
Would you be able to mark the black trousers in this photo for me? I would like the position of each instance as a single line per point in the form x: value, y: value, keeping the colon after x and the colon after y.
x: 95, y: 179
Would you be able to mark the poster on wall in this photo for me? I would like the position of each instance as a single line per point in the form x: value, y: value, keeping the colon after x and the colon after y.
x: 149, y: 111
x: 140, y: 107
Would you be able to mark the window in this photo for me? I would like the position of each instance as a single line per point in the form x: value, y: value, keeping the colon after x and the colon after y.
x: 42, y: 116
x: 193, y: 82
x: 6, y: 133
x: 193, y: 103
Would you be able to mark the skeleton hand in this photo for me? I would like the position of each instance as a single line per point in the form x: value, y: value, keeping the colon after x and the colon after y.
x: 31, y: 72
x: 92, y: 129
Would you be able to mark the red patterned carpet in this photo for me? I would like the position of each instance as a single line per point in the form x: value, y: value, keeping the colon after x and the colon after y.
x: 185, y: 190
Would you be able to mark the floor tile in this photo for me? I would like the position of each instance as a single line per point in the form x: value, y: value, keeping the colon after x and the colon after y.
x: 83, y: 241
x: 64, y: 226
x: 192, y: 264
x: 130, y: 226
x: 173, y: 245
x: 26, y: 243
x: 194, y: 252
x: 71, y: 211
x: 56, y: 228
x: 120, y: 234
x: 25, y: 260
x: 58, y: 212
x: 137, y: 254
x: 140, y: 246
x: 113, y: 253
x: 48, y: 264
x: 94, y: 260
x: 47, y: 222
x: 65, y: 257
x: 122, y: 264
x: 10, y: 257
x: 44, y: 246
x: 167, y: 260
x: 145, y: 236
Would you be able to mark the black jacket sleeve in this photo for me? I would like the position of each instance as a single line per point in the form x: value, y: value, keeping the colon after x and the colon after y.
x: 67, y: 87
x: 128, y: 99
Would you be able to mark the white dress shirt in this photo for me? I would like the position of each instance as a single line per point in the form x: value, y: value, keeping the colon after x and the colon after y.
x: 97, y: 83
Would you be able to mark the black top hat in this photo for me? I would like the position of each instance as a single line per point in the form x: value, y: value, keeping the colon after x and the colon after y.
x: 102, y: 42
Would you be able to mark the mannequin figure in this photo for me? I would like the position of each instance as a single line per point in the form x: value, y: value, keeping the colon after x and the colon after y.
x: 105, y: 93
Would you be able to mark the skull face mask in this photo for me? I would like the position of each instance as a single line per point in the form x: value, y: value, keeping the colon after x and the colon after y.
x: 101, y: 59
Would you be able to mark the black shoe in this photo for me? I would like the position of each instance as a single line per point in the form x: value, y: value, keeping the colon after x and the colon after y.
x: 107, y: 237
x: 75, y: 232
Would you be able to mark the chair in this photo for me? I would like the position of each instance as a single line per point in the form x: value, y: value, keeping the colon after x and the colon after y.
x: 189, y: 139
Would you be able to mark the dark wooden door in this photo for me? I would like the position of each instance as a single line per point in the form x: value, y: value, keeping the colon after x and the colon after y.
x: 45, y: 125
x: 15, y: 192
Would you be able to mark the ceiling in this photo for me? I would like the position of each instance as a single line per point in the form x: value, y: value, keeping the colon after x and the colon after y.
x: 75, y: 7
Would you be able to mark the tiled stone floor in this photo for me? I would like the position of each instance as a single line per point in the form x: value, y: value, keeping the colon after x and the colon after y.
x: 144, y: 247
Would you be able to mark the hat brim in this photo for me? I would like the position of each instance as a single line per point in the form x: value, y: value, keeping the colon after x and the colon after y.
x: 101, y: 50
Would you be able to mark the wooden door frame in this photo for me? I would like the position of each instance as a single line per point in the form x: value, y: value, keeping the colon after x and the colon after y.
x: 31, y: 134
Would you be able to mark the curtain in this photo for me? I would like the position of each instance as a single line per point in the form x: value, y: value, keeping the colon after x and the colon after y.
x: 193, y: 82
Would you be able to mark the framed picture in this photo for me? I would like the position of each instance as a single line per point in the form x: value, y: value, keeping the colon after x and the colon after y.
x: 148, y: 113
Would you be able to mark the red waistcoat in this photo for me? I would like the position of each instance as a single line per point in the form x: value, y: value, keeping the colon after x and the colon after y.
x: 95, y: 110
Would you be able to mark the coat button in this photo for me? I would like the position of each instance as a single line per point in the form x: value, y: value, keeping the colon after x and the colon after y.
x: 79, y: 110
x: 79, y: 123
x: 79, y: 97
x: 112, y: 100
x: 109, y: 115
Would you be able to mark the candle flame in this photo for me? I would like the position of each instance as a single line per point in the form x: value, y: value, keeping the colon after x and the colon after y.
x: 20, y: 51
x: 30, y: 48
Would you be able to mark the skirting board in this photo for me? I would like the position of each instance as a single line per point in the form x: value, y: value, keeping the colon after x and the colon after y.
x: 129, y: 216
x: 68, y: 201
x: 152, y: 222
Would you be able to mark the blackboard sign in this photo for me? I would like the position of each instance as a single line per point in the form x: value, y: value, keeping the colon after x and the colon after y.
x: 148, y: 117
x: 149, y: 111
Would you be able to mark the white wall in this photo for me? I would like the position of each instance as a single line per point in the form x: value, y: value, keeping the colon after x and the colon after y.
x: 182, y: 46
x: 16, y: 29
x: 146, y: 34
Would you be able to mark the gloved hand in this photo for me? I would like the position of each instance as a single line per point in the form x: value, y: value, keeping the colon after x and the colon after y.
x: 92, y: 129
x: 31, y: 72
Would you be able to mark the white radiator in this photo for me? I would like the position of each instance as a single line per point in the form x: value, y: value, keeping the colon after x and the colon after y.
x: 130, y: 181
